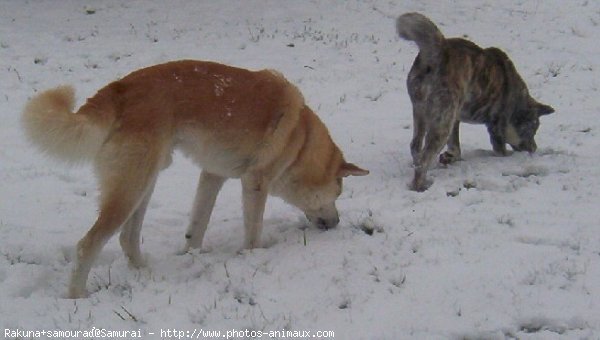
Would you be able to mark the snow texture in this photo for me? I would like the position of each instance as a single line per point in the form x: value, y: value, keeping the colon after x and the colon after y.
x: 498, y: 247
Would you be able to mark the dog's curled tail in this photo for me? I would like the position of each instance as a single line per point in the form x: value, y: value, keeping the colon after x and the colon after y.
x: 418, y: 28
x: 52, y: 126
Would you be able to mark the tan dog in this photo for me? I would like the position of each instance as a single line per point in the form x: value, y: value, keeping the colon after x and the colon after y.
x: 233, y: 122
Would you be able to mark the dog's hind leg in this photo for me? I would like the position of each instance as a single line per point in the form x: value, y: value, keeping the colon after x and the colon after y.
x: 452, y: 154
x: 126, y: 169
x: 130, y: 233
x: 209, y: 186
x: 437, y: 135
x: 419, y: 128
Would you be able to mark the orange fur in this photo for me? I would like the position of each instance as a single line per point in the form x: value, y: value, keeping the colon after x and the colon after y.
x: 233, y: 122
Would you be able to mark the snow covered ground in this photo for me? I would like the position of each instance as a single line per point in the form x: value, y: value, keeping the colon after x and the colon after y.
x: 496, y: 248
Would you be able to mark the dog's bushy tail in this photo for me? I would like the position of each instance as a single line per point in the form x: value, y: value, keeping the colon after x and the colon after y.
x: 418, y: 28
x: 52, y: 126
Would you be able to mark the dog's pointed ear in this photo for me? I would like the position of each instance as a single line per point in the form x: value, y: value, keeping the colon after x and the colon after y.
x: 540, y: 109
x: 349, y: 169
x: 543, y: 109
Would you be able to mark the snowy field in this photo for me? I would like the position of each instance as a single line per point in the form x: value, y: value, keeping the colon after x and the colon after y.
x: 497, y: 248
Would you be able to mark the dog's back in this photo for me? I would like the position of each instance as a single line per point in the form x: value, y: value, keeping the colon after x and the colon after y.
x: 218, y: 114
x: 485, y: 81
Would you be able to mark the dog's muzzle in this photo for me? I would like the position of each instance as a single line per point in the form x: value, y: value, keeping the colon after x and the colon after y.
x: 324, y: 223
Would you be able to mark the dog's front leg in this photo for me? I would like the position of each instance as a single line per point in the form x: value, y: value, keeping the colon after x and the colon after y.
x: 209, y: 186
x: 497, y: 139
x: 254, y: 198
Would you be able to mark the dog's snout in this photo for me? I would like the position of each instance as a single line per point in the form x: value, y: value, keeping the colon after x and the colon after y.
x: 325, y: 224
x: 326, y: 217
x: 532, y: 148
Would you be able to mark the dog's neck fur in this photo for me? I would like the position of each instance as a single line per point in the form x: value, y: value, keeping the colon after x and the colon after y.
x: 319, y: 158
x: 315, y: 161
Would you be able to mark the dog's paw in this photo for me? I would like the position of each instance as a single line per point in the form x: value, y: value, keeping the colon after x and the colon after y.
x: 76, y: 293
x: 448, y: 158
x: 253, y: 244
x: 192, y: 250
x: 501, y: 151
x: 503, y: 154
x: 138, y: 262
x: 420, y: 186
